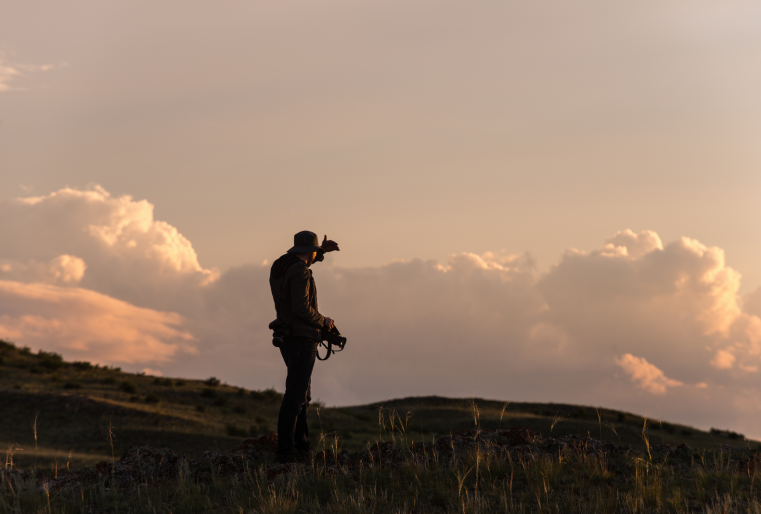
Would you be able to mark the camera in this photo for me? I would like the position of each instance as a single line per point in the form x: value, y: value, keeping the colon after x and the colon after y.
x: 333, y: 337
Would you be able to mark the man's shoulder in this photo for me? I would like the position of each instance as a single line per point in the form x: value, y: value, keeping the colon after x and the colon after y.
x: 284, y: 265
x: 296, y: 268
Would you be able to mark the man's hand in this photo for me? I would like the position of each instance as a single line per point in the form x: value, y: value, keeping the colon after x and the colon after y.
x: 329, y: 246
x: 329, y: 323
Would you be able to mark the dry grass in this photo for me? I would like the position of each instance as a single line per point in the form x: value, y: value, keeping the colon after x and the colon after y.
x: 705, y: 482
x: 638, y: 481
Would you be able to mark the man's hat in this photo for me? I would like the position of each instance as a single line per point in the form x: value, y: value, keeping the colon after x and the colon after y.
x: 306, y: 242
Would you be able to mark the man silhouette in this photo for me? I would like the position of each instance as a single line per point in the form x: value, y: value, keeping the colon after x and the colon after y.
x: 295, y: 296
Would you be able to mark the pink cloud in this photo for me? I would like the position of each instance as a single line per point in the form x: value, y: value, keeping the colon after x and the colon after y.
x: 723, y: 360
x: 485, y: 324
x: 83, y: 324
x: 645, y: 375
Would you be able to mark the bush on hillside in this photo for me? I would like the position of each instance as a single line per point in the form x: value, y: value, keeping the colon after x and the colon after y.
x: 50, y: 360
x: 128, y: 387
x: 268, y: 395
x: 212, y: 382
x: 726, y: 433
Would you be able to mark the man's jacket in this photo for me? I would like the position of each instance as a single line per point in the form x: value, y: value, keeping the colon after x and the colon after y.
x: 295, y: 296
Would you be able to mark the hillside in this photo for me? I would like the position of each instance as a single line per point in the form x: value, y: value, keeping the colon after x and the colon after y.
x: 75, y: 403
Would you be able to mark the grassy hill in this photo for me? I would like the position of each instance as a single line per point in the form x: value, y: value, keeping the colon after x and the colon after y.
x: 76, y: 413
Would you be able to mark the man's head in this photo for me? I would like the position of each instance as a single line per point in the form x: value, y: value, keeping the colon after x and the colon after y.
x: 307, y: 246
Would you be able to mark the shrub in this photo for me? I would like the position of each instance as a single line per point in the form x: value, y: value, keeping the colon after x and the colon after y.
x: 241, y: 391
x: 726, y: 433
x: 209, y: 393
x: 6, y: 346
x: 268, y: 395
x: 165, y: 382
x: 260, y: 419
x: 2, y: 360
x: 200, y: 408
x: 128, y: 387
x: 109, y: 380
x: 240, y: 409
x: 179, y: 383
x: 686, y: 432
x: 72, y: 385
x: 81, y: 365
x: 234, y: 431
x: 212, y: 382
x: 152, y: 398
x: 221, y: 401
x: 134, y: 398
x: 50, y: 360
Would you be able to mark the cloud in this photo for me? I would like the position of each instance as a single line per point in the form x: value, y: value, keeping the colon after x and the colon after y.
x: 83, y: 324
x: 13, y: 72
x: 487, y: 324
x: 723, y: 360
x: 61, y: 270
x: 645, y: 375
x: 127, y: 253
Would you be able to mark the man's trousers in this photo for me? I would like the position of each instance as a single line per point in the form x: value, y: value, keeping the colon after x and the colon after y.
x: 299, y: 354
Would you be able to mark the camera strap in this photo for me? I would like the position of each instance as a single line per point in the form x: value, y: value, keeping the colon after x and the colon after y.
x: 329, y: 346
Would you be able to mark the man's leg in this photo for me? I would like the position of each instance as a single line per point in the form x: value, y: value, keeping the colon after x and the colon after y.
x: 299, y: 356
x: 301, y: 435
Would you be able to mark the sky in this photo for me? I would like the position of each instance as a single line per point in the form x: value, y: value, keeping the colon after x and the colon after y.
x: 542, y: 201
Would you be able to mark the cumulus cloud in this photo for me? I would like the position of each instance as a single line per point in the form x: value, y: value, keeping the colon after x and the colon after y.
x: 645, y: 375
x: 723, y: 360
x: 61, y: 270
x: 485, y: 324
x: 127, y: 253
